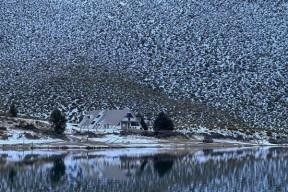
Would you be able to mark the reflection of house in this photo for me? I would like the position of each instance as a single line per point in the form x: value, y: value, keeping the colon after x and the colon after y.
x: 119, y: 119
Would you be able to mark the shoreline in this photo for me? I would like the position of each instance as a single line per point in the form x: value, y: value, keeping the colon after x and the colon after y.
x: 100, y: 146
x: 19, y: 136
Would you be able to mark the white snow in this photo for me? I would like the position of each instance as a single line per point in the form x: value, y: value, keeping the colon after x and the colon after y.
x: 15, y: 140
x: 110, y: 138
x: 17, y: 136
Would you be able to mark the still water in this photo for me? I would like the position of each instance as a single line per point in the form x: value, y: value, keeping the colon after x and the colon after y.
x: 235, y: 169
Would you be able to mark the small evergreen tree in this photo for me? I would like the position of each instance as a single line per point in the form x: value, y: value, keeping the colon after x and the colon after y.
x: 58, y: 121
x: 13, y: 110
x: 163, y: 122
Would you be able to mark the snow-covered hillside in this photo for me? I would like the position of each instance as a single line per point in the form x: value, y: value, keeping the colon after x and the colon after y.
x: 229, y: 54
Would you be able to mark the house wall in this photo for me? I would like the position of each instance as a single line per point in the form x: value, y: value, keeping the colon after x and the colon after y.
x: 132, y: 119
x: 124, y: 125
x: 127, y: 125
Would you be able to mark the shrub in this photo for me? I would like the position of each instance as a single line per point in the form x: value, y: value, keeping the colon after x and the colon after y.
x: 22, y: 124
x: 30, y: 136
x: 269, y: 134
x: 207, y: 139
x: 4, y: 137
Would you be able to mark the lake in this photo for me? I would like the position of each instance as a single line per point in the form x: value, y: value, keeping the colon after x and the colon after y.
x: 234, y: 169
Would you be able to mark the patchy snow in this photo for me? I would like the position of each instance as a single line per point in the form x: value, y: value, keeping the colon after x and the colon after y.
x: 111, y: 138
x: 236, y: 59
x: 236, y: 135
x: 17, y: 136
x: 230, y: 141
x: 199, y: 137
x: 15, y: 140
x: 70, y: 127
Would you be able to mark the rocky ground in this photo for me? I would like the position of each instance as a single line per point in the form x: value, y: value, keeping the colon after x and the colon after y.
x: 207, y: 63
x: 83, y: 88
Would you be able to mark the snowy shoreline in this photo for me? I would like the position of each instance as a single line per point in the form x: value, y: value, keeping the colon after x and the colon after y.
x: 16, y: 135
x: 92, y: 145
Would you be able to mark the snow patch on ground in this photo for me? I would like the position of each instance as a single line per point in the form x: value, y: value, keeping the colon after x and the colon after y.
x: 109, y: 138
x: 17, y: 136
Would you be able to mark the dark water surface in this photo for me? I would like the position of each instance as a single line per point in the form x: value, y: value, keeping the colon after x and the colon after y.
x: 251, y: 169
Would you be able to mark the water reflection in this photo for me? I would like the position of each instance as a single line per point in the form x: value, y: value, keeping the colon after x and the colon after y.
x: 58, y: 170
x: 253, y: 169
x: 163, y: 163
x: 12, y: 174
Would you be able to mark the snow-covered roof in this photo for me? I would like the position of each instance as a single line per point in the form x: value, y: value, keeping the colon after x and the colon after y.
x: 111, y: 117
x: 92, y: 115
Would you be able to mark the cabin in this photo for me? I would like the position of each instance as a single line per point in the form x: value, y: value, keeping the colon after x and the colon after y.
x: 110, y: 119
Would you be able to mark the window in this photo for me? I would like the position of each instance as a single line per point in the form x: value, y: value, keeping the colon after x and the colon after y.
x: 98, y: 116
x: 92, y: 122
x: 134, y: 124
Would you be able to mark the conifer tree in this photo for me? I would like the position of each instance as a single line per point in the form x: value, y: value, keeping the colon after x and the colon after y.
x: 13, y: 110
x: 163, y: 122
x: 58, y: 121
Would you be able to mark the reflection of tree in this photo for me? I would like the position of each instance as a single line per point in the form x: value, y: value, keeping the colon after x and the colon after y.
x: 207, y: 151
x: 12, y: 174
x: 240, y: 171
x: 163, y: 164
x: 58, y: 170
x: 143, y: 164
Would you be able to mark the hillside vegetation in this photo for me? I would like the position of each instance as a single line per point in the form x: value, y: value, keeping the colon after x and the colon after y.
x: 207, y: 62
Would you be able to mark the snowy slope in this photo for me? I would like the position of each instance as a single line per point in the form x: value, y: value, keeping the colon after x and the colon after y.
x: 230, y: 54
